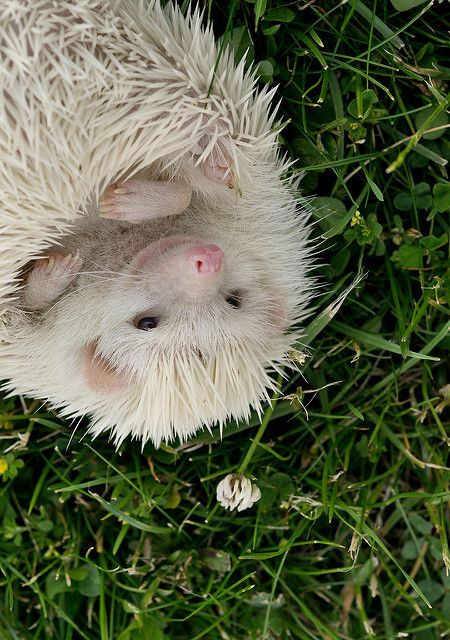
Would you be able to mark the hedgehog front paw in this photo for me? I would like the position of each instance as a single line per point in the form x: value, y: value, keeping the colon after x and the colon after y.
x: 138, y: 199
x: 49, y: 278
x: 215, y: 163
x: 117, y: 201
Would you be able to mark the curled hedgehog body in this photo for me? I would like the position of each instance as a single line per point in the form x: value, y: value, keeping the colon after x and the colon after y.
x: 169, y: 311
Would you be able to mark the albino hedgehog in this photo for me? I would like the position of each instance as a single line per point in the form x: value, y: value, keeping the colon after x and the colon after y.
x: 154, y: 264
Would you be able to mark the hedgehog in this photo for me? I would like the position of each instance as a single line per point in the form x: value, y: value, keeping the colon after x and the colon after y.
x: 154, y: 258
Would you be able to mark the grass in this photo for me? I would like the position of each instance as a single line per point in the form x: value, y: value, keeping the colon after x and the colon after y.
x: 350, y: 537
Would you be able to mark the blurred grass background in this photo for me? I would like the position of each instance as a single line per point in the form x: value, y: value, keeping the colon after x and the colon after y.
x: 350, y: 537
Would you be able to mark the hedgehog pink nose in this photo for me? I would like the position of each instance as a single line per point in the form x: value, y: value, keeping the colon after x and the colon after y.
x: 205, y: 259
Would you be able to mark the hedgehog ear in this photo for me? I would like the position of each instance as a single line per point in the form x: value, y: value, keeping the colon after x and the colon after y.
x: 99, y: 374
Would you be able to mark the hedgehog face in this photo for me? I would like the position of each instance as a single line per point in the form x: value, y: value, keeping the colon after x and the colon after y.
x: 187, y: 334
x: 183, y: 295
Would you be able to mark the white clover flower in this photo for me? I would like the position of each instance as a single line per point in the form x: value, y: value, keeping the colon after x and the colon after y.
x: 237, y: 491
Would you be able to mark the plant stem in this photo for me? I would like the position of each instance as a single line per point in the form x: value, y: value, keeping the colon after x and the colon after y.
x: 264, y: 422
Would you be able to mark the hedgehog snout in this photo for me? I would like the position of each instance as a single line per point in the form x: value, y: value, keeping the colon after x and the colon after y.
x: 205, y: 260
x: 199, y: 270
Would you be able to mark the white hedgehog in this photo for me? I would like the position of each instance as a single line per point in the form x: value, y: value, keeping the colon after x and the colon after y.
x: 168, y: 311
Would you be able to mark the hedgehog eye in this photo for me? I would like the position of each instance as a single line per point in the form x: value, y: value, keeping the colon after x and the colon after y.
x: 145, y: 324
x: 234, y: 299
